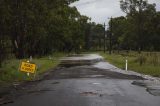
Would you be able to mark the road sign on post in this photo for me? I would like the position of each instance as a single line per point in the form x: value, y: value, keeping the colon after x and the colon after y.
x: 28, y: 67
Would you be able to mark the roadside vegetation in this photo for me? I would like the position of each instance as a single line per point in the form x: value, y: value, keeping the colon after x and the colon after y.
x: 10, y: 68
x: 147, y: 62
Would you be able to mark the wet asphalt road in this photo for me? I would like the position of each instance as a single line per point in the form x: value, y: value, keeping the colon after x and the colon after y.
x: 85, y: 86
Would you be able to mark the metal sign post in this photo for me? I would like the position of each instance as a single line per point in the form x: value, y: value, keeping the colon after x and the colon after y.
x: 29, y: 68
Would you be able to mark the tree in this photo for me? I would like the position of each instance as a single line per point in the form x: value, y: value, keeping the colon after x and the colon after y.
x: 136, y: 14
x: 4, y: 29
x: 138, y: 30
x: 119, y: 33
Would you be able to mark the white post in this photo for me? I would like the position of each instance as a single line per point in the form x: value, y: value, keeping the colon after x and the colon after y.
x: 28, y: 74
x: 126, y: 64
x: 30, y: 58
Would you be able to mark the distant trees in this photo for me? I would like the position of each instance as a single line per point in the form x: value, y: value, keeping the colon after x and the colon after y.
x: 94, y: 39
x: 139, y: 30
x: 39, y: 27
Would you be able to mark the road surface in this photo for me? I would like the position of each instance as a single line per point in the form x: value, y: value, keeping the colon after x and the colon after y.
x: 86, y: 85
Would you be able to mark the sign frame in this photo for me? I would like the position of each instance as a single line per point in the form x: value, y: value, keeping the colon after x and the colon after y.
x: 28, y: 67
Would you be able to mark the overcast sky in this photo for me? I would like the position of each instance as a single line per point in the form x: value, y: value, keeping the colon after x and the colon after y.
x: 101, y: 10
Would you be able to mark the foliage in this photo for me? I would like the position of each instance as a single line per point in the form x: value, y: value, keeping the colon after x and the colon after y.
x: 96, y: 36
x: 139, y: 29
x: 40, y: 27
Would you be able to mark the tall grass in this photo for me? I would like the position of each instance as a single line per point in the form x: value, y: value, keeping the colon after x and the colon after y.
x: 149, y: 58
x: 146, y: 62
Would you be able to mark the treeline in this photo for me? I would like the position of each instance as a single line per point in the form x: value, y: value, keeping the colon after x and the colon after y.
x: 39, y: 27
x: 139, y: 29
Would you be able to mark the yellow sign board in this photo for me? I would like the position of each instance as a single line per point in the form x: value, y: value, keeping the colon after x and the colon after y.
x: 28, y: 67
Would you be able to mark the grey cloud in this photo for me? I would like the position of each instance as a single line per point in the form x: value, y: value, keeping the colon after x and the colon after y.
x: 101, y: 10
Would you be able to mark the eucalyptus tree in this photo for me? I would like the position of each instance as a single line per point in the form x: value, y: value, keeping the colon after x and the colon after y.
x: 4, y: 29
x: 40, y: 27
x: 137, y: 16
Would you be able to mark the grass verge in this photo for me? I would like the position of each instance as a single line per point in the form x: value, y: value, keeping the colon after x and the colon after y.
x: 10, y: 70
x: 145, y: 63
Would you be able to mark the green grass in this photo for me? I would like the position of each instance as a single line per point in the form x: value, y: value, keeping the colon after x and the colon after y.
x: 10, y: 70
x: 150, y: 63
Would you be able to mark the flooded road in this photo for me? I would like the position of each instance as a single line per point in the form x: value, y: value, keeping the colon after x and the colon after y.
x: 81, y: 59
x: 95, y: 83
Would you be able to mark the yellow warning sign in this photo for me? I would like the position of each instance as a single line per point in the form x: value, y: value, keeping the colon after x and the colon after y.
x: 28, y: 67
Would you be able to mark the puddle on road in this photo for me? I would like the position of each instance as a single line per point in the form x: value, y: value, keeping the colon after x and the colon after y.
x: 91, y: 94
x: 154, y: 91
x: 139, y: 83
x: 152, y: 87
x: 88, y: 94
